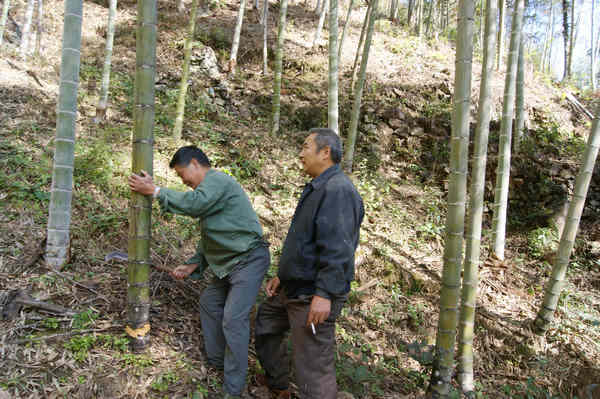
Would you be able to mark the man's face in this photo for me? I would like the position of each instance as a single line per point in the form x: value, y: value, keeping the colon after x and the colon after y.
x: 313, y: 160
x: 192, y: 174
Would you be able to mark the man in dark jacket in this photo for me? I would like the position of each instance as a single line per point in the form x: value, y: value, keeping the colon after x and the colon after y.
x: 313, y: 281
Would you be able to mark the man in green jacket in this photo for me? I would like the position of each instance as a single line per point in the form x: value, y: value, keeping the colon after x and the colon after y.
x: 231, y: 246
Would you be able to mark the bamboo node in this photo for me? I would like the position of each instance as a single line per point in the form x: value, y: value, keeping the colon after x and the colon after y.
x: 138, y: 332
x: 143, y: 141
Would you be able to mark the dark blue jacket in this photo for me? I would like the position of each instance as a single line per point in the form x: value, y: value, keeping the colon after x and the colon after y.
x: 318, y: 253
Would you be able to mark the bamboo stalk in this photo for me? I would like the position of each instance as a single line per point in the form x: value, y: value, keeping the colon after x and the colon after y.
x: 236, y: 37
x: 556, y: 283
x: 504, y: 146
x: 5, y: 8
x: 26, y: 28
x: 39, y: 27
x: 520, y: 101
x: 140, y: 209
x: 473, y: 237
x: 351, y: 143
x: 443, y: 367
x: 185, y: 75
x: 345, y: 30
x: 332, y: 92
x: 59, y: 215
x: 110, y: 35
x: 360, y: 45
x: 320, y: 23
x: 278, y: 67
x: 265, y: 22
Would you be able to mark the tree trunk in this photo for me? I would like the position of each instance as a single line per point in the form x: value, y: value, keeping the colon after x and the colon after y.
x: 473, y: 238
x: 349, y: 154
x: 140, y: 210
x: 592, y: 52
x: 59, y: 215
x: 180, y: 7
x: 420, y: 16
x: 565, y: 22
x: 504, y: 146
x: 546, y: 44
x: 26, y: 29
x: 430, y: 18
x: 500, y: 40
x: 345, y: 30
x: 571, y: 40
x: 561, y: 261
x: 185, y: 75
x: 265, y: 22
x: 110, y: 35
x: 520, y: 102
x: 360, y: 45
x: 39, y: 27
x: 278, y: 67
x: 549, y: 70
x: 332, y: 92
x: 318, y: 7
x: 482, y: 17
x: 236, y: 38
x: 441, y: 375
x: 411, y: 6
x: 320, y: 24
x: 5, y: 8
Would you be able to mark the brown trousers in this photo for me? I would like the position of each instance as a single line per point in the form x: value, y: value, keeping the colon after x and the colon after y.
x: 313, y: 354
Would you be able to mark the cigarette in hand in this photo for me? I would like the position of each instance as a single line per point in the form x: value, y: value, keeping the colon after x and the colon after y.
x: 313, y: 328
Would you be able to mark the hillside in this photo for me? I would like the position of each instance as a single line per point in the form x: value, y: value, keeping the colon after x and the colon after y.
x: 387, y: 328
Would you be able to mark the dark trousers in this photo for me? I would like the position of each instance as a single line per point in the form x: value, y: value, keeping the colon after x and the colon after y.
x: 313, y: 354
x: 225, y: 307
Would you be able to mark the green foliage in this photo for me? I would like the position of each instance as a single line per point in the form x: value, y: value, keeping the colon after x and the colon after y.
x: 200, y: 392
x: 542, y: 240
x: 216, y: 37
x: 24, y: 176
x: 137, y: 362
x: 94, y: 164
x: 51, y: 322
x: 528, y: 390
x: 357, y: 377
x: 81, y: 345
x: 242, y: 168
x: 162, y: 382
x: 305, y: 118
x: 415, y: 314
x: 84, y: 319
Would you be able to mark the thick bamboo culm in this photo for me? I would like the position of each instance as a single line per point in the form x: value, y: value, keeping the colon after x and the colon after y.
x: 59, y: 215
x: 140, y: 209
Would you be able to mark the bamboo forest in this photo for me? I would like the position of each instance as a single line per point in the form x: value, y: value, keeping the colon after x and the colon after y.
x: 150, y: 149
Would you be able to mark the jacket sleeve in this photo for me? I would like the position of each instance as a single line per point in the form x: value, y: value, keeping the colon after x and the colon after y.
x: 198, y: 203
x: 334, y: 237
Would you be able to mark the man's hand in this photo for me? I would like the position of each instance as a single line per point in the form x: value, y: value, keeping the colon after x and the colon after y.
x: 272, y: 286
x: 142, y: 183
x: 181, y: 272
x: 319, y: 310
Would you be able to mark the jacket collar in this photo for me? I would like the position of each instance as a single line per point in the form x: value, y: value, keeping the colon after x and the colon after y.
x: 318, y: 181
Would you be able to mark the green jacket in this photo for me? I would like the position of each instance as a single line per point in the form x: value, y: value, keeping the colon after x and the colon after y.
x: 229, y: 226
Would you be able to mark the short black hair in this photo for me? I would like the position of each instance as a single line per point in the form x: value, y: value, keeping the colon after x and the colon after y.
x: 325, y: 137
x: 184, y: 156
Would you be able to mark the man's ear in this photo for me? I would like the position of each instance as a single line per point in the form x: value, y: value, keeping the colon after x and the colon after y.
x: 194, y: 162
x: 326, y: 152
